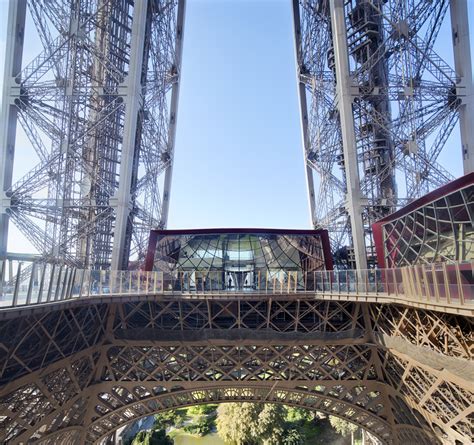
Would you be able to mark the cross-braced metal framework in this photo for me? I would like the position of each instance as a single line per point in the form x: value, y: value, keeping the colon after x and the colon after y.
x: 378, y: 104
x: 98, y: 106
x: 76, y: 374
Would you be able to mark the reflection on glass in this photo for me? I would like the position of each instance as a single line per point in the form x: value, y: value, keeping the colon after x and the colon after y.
x: 436, y: 232
x: 240, y: 260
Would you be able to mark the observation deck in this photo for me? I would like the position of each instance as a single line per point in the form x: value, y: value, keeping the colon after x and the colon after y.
x: 439, y: 287
x: 235, y: 315
x: 234, y: 264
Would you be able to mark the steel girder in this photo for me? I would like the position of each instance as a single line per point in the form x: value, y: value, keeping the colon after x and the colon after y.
x: 98, y: 106
x: 75, y: 375
x: 377, y: 106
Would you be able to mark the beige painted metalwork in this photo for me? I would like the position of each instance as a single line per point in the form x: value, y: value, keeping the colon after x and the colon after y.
x: 74, y: 371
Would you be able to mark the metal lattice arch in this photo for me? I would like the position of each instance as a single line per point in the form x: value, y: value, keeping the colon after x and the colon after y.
x: 76, y: 371
x: 98, y: 105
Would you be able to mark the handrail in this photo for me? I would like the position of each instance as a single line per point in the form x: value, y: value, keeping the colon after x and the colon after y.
x: 436, y: 284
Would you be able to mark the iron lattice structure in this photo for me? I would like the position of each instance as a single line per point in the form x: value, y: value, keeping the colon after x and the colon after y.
x: 74, y: 374
x: 98, y: 106
x: 378, y: 104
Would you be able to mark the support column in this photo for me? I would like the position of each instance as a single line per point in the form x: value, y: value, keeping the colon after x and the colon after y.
x: 344, y: 104
x: 173, y: 113
x: 463, y: 67
x: 133, y: 102
x: 8, y: 119
x: 303, y: 111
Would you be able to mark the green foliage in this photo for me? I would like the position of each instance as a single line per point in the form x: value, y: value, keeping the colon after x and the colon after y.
x: 141, y: 438
x: 202, y: 427
x: 293, y: 437
x: 155, y: 437
x: 201, y: 410
x: 171, y: 418
x: 266, y: 424
x: 343, y: 427
x: 310, y: 431
x: 235, y: 422
x: 251, y: 424
x: 299, y: 415
x: 179, y: 420
x: 159, y: 437
x: 270, y: 424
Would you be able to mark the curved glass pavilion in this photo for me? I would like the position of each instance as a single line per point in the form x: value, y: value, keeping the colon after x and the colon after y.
x: 238, y: 259
x: 437, y: 228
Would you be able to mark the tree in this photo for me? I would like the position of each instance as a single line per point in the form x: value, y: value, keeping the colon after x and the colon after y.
x: 293, y: 437
x: 173, y: 417
x: 251, y: 424
x: 159, y: 437
x: 141, y: 438
x: 201, y: 427
x: 299, y: 415
x: 270, y: 424
x: 201, y: 410
x: 155, y: 437
x: 235, y: 422
x: 343, y: 427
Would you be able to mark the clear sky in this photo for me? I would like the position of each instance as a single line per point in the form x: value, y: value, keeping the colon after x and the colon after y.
x: 239, y: 160
x: 238, y: 154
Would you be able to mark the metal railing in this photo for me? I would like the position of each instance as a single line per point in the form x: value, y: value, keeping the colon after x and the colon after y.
x: 449, y: 284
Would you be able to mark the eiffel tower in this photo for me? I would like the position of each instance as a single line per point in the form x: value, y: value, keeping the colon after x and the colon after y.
x: 368, y: 316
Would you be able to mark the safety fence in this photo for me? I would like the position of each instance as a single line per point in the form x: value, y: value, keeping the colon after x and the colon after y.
x: 450, y: 284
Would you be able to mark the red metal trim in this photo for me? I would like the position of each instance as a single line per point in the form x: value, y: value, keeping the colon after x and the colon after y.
x: 457, y: 184
x: 377, y: 233
x: 150, y: 254
x: 238, y: 230
x: 326, y: 249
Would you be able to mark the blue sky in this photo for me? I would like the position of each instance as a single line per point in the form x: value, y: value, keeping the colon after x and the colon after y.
x: 238, y: 158
x: 238, y: 154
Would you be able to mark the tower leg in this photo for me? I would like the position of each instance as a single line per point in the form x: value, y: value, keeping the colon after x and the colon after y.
x: 8, y: 121
x: 173, y: 116
x: 353, y: 198
x: 303, y: 112
x: 133, y: 100
x: 462, y: 64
